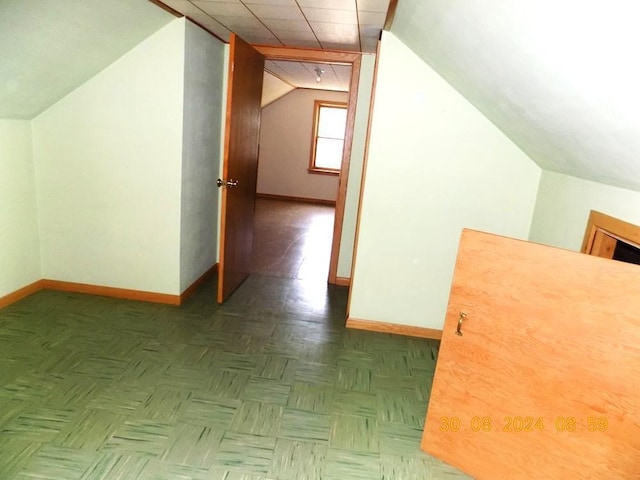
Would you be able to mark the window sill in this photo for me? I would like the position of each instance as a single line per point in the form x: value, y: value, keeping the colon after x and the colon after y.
x: 323, y: 171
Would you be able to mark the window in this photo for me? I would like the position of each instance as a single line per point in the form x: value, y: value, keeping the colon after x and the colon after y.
x: 329, y: 125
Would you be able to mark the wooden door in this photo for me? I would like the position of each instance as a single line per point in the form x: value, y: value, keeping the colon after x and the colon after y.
x: 544, y: 382
x: 240, y: 164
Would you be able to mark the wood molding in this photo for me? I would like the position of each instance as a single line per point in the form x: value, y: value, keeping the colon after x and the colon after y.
x: 307, y: 54
x: 343, y: 281
x: 394, y: 328
x: 176, y: 13
x: 21, y: 293
x: 617, y: 228
x: 123, y: 293
x: 287, y: 198
x: 199, y: 281
x: 391, y: 13
x: 341, y: 200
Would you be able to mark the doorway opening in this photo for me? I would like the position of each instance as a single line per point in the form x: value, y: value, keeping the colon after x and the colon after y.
x: 302, y: 136
x: 610, y: 237
x: 329, y: 66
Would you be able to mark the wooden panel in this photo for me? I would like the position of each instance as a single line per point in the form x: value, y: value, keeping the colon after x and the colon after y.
x: 394, y: 328
x: 240, y: 163
x: 618, y: 228
x: 344, y: 170
x: 543, y: 383
x: 603, y: 245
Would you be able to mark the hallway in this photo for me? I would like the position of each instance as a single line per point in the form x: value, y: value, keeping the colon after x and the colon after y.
x: 292, y: 239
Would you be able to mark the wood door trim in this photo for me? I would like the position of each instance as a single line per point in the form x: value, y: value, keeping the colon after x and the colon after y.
x: 612, y: 226
x: 330, y: 56
x: 344, y: 171
x: 394, y: 328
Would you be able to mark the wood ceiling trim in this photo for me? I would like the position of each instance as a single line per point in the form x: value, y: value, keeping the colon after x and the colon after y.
x: 391, y: 13
x: 304, y: 54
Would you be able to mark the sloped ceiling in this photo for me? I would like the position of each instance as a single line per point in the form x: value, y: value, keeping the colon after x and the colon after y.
x: 50, y: 47
x: 561, y: 78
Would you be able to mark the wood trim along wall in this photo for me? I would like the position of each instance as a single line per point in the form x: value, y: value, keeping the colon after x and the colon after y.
x: 287, y: 198
x: 199, y: 281
x: 391, y: 13
x: 21, y: 293
x: 344, y: 170
x: 111, y: 292
x: 107, y: 291
x: 343, y: 281
x: 307, y: 54
x: 382, y: 327
x: 330, y: 56
x: 175, y: 13
x: 364, y: 171
x: 618, y: 228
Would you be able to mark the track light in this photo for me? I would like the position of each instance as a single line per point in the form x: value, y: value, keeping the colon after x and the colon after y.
x: 319, y: 73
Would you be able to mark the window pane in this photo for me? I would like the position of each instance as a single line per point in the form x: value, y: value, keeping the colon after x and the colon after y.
x: 329, y: 153
x: 332, y: 122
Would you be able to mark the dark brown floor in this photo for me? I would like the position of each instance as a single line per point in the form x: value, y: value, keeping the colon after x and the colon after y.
x: 292, y: 239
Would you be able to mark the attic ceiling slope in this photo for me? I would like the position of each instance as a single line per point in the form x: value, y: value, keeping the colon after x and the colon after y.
x: 49, y: 48
x: 558, y: 77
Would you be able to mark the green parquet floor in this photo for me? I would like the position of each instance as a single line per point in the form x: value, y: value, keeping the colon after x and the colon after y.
x: 270, y: 385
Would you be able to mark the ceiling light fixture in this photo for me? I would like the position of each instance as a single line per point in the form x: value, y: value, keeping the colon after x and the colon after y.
x: 319, y: 73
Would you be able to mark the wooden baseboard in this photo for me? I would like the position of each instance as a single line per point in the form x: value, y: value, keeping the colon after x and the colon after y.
x: 394, y: 328
x: 112, y: 292
x: 194, y: 286
x: 287, y: 198
x: 343, y: 281
x: 21, y: 293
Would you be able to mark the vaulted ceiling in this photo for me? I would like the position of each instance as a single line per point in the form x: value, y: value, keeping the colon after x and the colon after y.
x: 561, y: 78
x: 50, y: 47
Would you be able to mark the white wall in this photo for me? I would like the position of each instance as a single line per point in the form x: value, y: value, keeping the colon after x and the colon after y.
x: 204, y: 72
x: 273, y: 88
x: 435, y: 165
x: 108, y: 168
x: 355, y: 167
x: 19, y: 244
x: 285, y: 147
x: 564, y: 203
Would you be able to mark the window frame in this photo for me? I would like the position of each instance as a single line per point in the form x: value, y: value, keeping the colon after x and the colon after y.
x: 317, y: 105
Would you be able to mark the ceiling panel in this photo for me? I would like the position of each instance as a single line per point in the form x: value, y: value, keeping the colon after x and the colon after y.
x: 352, y: 25
x: 347, y: 25
x: 304, y: 75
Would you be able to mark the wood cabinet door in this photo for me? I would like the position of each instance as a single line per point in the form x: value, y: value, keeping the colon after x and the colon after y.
x: 544, y: 380
x: 240, y: 164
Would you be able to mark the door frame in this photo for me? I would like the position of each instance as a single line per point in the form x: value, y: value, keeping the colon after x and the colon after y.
x: 330, y: 57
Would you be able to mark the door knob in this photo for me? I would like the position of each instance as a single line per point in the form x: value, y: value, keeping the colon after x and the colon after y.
x: 229, y: 183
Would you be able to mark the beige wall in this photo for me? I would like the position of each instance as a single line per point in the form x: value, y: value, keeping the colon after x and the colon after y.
x: 435, y: 166
x: 108, y: 172
x: 355, y: 166
x: 19, y: 241
x: 564, y: 203
x: 285, y: 146
x: 204, y: 72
